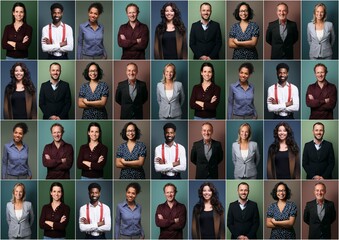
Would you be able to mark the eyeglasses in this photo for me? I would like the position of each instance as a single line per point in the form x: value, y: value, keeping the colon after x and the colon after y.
x: 130, y: 131
x: 281, y: 191
x: 243, y: 11
x: 93, y: 71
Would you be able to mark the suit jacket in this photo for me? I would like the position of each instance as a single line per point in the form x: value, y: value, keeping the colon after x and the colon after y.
x: 319, y: 229
x: 321, y: 48
x: 131, y: 109
x: 282, y: 49
x: 181, y: 43
x: 243, y: 222
x: 30, y: 106
x: 23, y: 225
x: 206, y: 169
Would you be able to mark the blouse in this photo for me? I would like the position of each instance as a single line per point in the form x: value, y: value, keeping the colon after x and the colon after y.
x: 10, y: 34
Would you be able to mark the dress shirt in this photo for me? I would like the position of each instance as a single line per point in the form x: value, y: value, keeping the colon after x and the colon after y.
x: 132, y: 90
x: 320, y: 210
x: 208, y: 150
x: 283, y: 30
x: 10, y: 34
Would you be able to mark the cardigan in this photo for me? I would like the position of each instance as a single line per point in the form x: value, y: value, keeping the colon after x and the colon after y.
x: 31, y: 108
x: 181, y: 42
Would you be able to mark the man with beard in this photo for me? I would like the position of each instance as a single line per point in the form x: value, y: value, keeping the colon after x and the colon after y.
x: 170, y: 157
x: 205, y: 36
x: 243, y: 215
x: 57, y: 37
x: 283, y: 97
x: 95, y: 216
x: 55, y: 95
x: 318, y: 156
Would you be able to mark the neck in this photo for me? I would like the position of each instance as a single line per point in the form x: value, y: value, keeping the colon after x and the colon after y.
x: 242, y: 201
x: 94, y: 203
x: 18, y: 22
x: 243, y: 83
x: 18, y: 143
x: 170, y: 143
x: 93, y: 23
x: 205, y: 22
x: 207, y: 201
x: 93, y: 141
x: 131, y: 203
x: 206, y: 81
x: 282, y: 201
x: 321, y: 201
x: 282, y: 83
x: 208, y: 141
x: 56, y: 202
x: 54, y: 81
x: 318, y: 141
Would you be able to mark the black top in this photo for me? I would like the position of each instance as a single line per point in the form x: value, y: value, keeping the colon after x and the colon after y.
x: 282, y: 165
x: 169, y: 45
x: 207, y: 225
x: 19, y: 105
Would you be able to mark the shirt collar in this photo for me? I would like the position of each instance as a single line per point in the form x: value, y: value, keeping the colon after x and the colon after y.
x: 124, y: 204
x: 61, y: 25
x: 174, y: 144
x: 243, y: 204
x: 13, y: 144
x: 325, y: 83
x: 88, y: 24
x: 99, y: 204
x: 237, y: 84
x: 129, y: 82
x: 284, y: 23
x: 287, y: 84
x: 205, y: 24
x: 50, y: 81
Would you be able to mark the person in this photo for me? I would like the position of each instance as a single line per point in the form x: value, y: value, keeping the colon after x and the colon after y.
x: 93, y: 94
x: 91, y: 35
x: 241, y: 95
x: 170, y: 216
x: 133, y: 36
x: 131, y: 154
x: 54, y: 216
x: 206, y: 154
x: 170, y: 157
x: 245, y: 154
x: 280, y: 216
x: 205, y: 35
x: 55, y: 95
x: 282, y: 34
x: 208, y: 214
x: 205, y: 96
x: 283, y: 97
x: 170, y: 94
x: 170, y: 35
x: 20, y: 94
x: 131, y: 94
x: 320, y: 34
x: 318, y: 156
x: 92, y: 155
x: 243, y: 215
x: 243, y: 36
x: 319, y: 214
x: 128, y: 215
x: 95, y: 216
x: 15, y: 155
x: 19, y: 214
x: 321, y: 96
x: 58, y: 156
x: 17, y: 36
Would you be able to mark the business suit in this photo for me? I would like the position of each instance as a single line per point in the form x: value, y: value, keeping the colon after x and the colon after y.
x: 243, y: 222
x: 282, y: 49
x: 206, y: 169
x: 131, y: 109
x: 321, y: 48
x: 319, y: 229
x: 19, y: 228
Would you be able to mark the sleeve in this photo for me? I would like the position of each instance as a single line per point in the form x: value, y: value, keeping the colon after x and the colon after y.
x: 127, y: 43
x: 51, y: 163
x: 144, y: 38
x: 193, y: 42
x: 48, y: 47
x: 158, y: 94
x: 29, y: 172
x: 142, y: 150
x: 62, y: 226
x: 156, y: 44
x: 82, y: 93
x: 294, y: 210
x: 257, y: 154
x: 182, y: 94
x: 194, y: 154
x: 28, y: 33
x: 107, y: 219
x: 295, y: 33
x: 194, y: 225
x: 69, y: 38
x: 101, y: 165
x: 182, y: 218
x: 222, y: 226
x: 270, y: 174
x: 230, y: 102
x: 230, y: 222
x: 117, y: 222
x: 4, y: 44
x: 309, y: 36
x: 232, y: 33
x: 332, y: 40
x: 220, y: 152
x: 255, y: 223
x: 234, y: 156
x: 269, y: 34
x: 333, y: 213
x: 42, y: 223
x: 162, y: 223
x: 280, y: 106
x: 306, y: 160
x: 144, y: 93
x: 80, y: 42
x: 295, y: 96
x: 119, y: 153
x: 307, y: 214
x: 118, y: 94
x: 42, y: 99
x: 270, y: 211
x: 4, y: 163
x: 81, y: 156
x: 67, y: 103
x: 212, y: 106
x: 183, y: 161
x: 331, y: 162
x: 255, y: 31
x: 31, y: 214
x: 184, y: 46
x: 193, y: 98
x: 69, y: 155
x: 161, y: 167
x: 86, y: 227
x: 218, y: 41
x: 34, y: 107
x: 8, y: 216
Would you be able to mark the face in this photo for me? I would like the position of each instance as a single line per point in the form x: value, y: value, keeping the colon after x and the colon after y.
x: 282, y: 12
x: 130, y: 132
x: 18, y: 135
x: 320, y: 73
x: 244, y: 74
x: 169, y: 73
x: 169, y: 193
x: 57, y: 133
x: 206, y: 132
x: 169, y: 135
x: 207, y: 193
x: 205, y: 12
x: 281, y: 192
x: 56, y: 15
x: 93, y: 72
x: 18, y: 193
x: 56, y: 193
x: 131, y: 72
x: 319, y: 13
x: 94, y: 133
x: 131, y: 194
x: 18, y: 13
x: 244, y: 133
x: 282, y: 74
x: 94, y: 195
x: 206, y: 73
x: 93, y: 15
x: 19, y: 73
x: 282, y: 133
x: 55, y: 72
x: 319, y: 192
x: 243, y: 12
x: 318, y: 132
x: 243, y: 192
x: 169, y: 13
x: 132, y: 14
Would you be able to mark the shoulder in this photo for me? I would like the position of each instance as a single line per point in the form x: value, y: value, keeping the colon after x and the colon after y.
x: 105, y: 206
x: 140, y: 144
x: 254, y: 144
x: 253, y: 24
x: 66, y: 207
x: 102, y: 146
x: 196, y: 24
x: 216, y: 143
x: 214, y: 23
x: 178, y: 84
x: 9, y: 205
x: 275, y: 22
x: 103, y: 83
x: 63, y: 83
x: 235, y: 145
x: 181, y: 146
x: 141, y: 82
x: 292, y: 23
x: 310, y: 25
x: 124, y: 82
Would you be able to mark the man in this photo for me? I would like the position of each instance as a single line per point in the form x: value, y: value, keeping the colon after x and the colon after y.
x: 243, y: 215
x: 283, y: 97
x: 133, y: 36
x: 321, y: 96
x: 206, y: 154
x: 131, y: 94
x: 282, y: 34
x: 55, y: 95
x: 57, y: 37
x: 318, y: 156
x: 95, y: 216
x: 170, y: 215
x: 58, y: 155
x: 205, y: 36
x: 319, y: 214
x: 170, y: 157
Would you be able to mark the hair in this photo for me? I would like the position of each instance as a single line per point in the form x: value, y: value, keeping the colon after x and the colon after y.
x: 244, y: 183
x: 282, y: 65
x: 21, y: 125
x: 320, y: 183
x: 26, y: 81
x: 134, y: 64
x: 207, y: 64
x: 214, y: 199
x: 23, y: 192
x: 134, y: 185
x: 54, y: 63
x: 282, y: 3
x: 94, y: 124
x: 292, y: 145
x: 170, y: 125
x: 133, y: 5
x: 314, y: 20
x: 124, y: 129
x: 177, y: 22
x: 98, y: 6
x: 94, y: 185
x: 57, y: 5
x: 274, y: 191
x: 207, y: 123
x: 19, y: 4
x: 58, y: 125
x: 86, y: 71
x: 237, y: 9
x: 57, y: 184
x: 247, y: 65
x: 319, y: 123
x: 174, y: 72
x: 206, y: 3
x: 170, y: 185
x: 320, y: 65
x: 249, y: 131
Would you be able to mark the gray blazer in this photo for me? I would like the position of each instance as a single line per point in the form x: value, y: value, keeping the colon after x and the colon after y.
x: 170, y: 108
x: 322, y: 48
x: 21, y: 227
x: 245, y: 167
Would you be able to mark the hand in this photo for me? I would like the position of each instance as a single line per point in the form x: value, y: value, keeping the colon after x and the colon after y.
x: 47, y: 157
x: 290, y: 103
x: 49, y: 223
x: 63, y: 218
x: 204, y: 57
x: 272, y: 100
x: 317, y: 177
x: 101, y: 223
x: 176, y: 163
x: 63, y: 160
x: 64, y: 43
x: 200, y: 103
x: 176, y: 220
x: 87, y: 163
x: 159, y: 160
x: 235, y: 41
x: 138, y: 40
x: 327, y: 100
x: 310, y: 96
x: 122, y: 37
x: 214, y: 98
x: 160, y: 217
x: 100, y: 159
x: 84, y: 220
x: 26, y: 38
x: 46, y: 41
x: 12, y: 43
x: 53, y: 117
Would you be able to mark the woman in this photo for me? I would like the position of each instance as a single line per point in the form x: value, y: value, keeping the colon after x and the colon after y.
x: 131, y: 154
x: 92, y: 155
x: 243, y: 36
x: 170, y: 94
x: 245, y: 154
x: 20, y: 98
x: 320, y: 34
x: 17, y: 36
x: 55, y: 215
x: 170, y: 35
x: 19, y: 214
x: 93, y: 94
x: 283, y: 154
x: 281, y: 214
x: 208, y: 214
x: 241, y: 95
x: 15, y: 155
x: 91, y: 35
x: 128, y: 215
x: 206, y: 95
